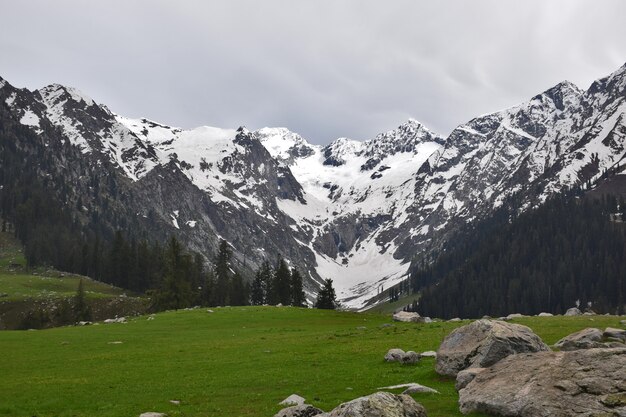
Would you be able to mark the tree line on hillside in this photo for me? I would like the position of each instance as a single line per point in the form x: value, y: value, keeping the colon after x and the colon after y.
x: 571, y: 250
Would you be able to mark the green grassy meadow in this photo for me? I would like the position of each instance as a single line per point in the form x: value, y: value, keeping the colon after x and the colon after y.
x: 232, y: 362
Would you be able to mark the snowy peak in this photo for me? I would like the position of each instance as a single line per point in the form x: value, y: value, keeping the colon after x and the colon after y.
x: 284, y: 145
x: 340, y: 150
x: 56, y: 94
x: 562, y: 95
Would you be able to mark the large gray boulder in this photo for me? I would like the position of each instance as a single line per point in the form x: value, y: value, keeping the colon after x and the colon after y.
x: 302, y: 410
x: 584, y: 339
x: 483, y: 343
x: 380, y: 404
x: 585, y: 383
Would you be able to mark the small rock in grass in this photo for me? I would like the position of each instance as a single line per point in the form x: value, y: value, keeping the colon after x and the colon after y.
x: 116, y: 320
x: 361, y: 328
x: 412, y: 388
x: 456, y: 319
x: 152, y: 414
x: 573, y: 312
x: 406, y: 316
x: 394, y: 355
x: 545, y: 315
x: 175, y: 402
x: 410, y: 358
x: 210, y: 311
x: 429, y: 354
x: 117, y: 342
x: 293, y: 399
x: 419, y: 389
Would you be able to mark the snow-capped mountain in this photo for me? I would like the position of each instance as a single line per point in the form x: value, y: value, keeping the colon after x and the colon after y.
x: 356, y: 212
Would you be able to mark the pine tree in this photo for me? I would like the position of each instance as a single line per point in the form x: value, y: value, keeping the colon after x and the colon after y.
x: 282, y: 283
x: 222, y: 274
x: 326, y: 298
x: 176, y: 291
x: 82, y: 312
x: 257, y: 294
x: 238, y: 291
x: 297, y: 294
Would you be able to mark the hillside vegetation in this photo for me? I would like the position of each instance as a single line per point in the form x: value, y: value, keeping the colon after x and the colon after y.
x: 232, y: 362
x: 34, y: 297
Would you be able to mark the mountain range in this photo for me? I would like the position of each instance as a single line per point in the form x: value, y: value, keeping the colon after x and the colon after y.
x: 355, y: 212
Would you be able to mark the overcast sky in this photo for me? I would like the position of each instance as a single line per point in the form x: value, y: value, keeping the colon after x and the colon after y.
x: 324, y: 69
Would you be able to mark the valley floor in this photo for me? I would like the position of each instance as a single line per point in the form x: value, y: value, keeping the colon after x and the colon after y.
x: 230, y: 362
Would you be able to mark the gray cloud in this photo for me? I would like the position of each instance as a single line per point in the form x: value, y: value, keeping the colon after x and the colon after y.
x: 321, y: 68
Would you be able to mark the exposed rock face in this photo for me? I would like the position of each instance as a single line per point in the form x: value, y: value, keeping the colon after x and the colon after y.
x: 302, y: 410
x: 483, y: 343
x: 380, y: 404
x: 551, y: 384
x: 584, y: 339
x: 407, y: 317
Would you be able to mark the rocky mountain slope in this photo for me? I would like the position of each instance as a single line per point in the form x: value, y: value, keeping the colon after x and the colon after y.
x: 356, y: 212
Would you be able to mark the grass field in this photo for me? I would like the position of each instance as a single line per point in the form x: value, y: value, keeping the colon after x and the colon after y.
x: 232, y: 362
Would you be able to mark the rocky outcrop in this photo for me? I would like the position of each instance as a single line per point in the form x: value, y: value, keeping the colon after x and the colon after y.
x: 482, y: 344
x: 380, y: 404
x: 550, y: 384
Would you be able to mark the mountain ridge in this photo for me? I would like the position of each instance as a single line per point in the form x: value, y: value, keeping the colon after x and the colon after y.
x: 357, y: 212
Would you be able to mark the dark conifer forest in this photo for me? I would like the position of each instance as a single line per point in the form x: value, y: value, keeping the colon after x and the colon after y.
x: 570, y: 251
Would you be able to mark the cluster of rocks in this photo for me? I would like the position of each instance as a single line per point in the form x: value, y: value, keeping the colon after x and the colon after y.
x: 398, y: 355
x: 378, y: 404
x: 505, y: 369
